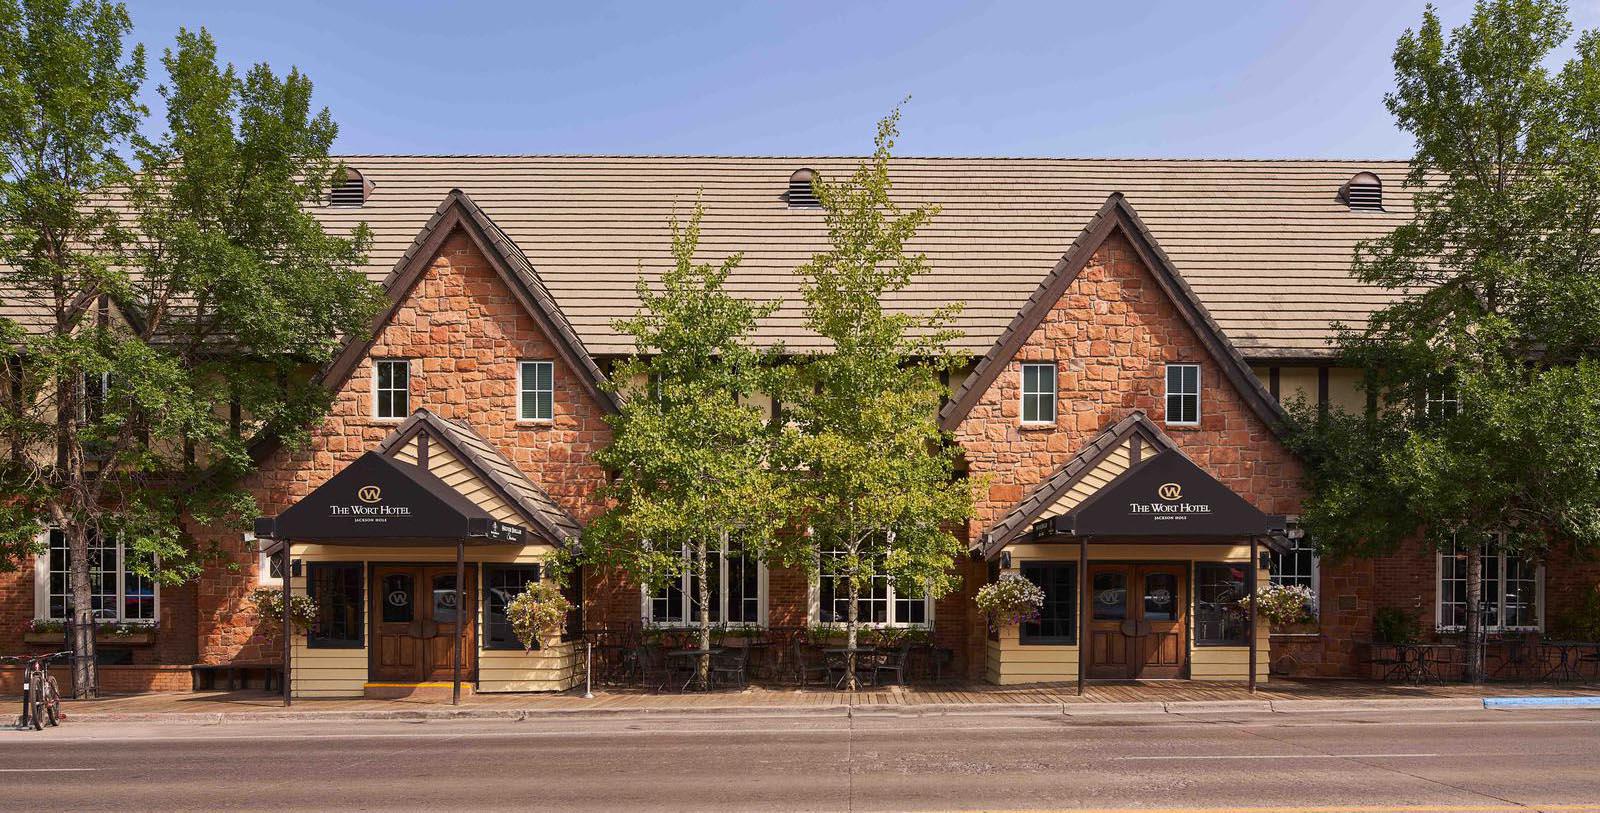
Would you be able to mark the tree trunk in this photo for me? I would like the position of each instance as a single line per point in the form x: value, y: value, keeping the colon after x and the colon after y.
x: 852, y: 618
x: 82, y: 643
x: 1475, y: 613
x: 703, y: 663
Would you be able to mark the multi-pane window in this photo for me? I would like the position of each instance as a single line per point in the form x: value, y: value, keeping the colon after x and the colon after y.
x: 336, y: 588
x: 878, y: 601
x: 501, y: 584
x: 735, y: 582
x: 1297, y: 566
x: 1441, y: 402
x: 1510, y: 595
x: 1039, y: 393
x: 269, y: 569
x: 537, y: 390
x: 117, y: 592
x: 1183, y: 394
x: 1058, y: 618
x: 392, y: 389
x: 1217, y: 590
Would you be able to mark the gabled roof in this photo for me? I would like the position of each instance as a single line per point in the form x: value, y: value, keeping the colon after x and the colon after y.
x: 1089, y: 460
x: 458, y: 210
x: 1116, y: 215
x: 470, y: 464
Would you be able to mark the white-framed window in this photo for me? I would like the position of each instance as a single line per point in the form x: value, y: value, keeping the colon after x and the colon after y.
x: 117, y: 593
x: 536, y: 390
x: 1183, y: 394
x: 738, y: 591
x: 878, y: 604
x: 1512, y: 592
x: 269, y: 569
x: 96, y: 388
x: 1441, y: 402
x: 1297, y: 567
x: 1039, y: 392
x: 391, y: 388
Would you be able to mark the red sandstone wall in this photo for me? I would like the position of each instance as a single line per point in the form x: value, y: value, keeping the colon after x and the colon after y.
x: 465, y: 333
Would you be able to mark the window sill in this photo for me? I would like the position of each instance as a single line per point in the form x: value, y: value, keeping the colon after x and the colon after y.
x: 536, y: 423
x: 1181, y: 427
x: 141, y: 638
x: 1036, y: 426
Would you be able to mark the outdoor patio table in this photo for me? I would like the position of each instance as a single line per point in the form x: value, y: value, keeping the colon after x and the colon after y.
x: 693, y: 653
x: 846, y: 651
x: 1569, y: 655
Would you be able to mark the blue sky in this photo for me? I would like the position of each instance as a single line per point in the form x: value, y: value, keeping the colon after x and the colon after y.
x: 1158, y: 79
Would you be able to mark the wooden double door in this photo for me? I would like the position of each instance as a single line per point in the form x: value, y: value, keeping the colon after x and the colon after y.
x: 1138, y: 621
x: 414, y: 624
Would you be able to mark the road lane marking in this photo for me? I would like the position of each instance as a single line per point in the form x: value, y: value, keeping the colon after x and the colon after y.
x: 1298, y: 756
x: 45, y: 770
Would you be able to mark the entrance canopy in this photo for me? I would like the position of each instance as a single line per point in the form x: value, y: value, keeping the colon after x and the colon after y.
x: 379, y: 498
x: 1165, y: 494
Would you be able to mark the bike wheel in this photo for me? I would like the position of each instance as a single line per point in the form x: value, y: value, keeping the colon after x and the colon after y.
x: 36, y: 703
x: 52, y: 701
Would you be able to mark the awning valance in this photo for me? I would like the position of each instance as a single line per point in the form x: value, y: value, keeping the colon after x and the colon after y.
x: 379, y: 498
x: 1163, y: 495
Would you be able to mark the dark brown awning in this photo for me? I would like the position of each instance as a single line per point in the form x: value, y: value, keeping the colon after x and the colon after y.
x: 379, y: 498
x: 1164, y: 495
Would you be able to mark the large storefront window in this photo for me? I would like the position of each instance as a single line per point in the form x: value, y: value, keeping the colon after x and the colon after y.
x: 1058, y: 618
x: 501, y: 584
x: 879, y: 602
x: 336, y: 587
x: 1218, y: 619
x: 1512, y: 591
x: 117, y: 592
x: 735, y: 591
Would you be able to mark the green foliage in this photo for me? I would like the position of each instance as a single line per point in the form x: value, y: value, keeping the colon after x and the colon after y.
x: 1282, y: 605
x: 1500, y: 304
x: 269, y: 610
x: 690, y: 453
x: 1010, y: 600
x: 873, y: 476
x: 1391, y: 625
x: 538, y: 613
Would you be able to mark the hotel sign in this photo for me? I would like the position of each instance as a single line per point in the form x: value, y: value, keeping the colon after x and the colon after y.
x: 1169, y: 505
x: 1164, y: 495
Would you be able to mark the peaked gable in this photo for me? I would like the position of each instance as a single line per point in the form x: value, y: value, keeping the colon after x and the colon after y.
x: 458, y: 211
x: 1116, y: 215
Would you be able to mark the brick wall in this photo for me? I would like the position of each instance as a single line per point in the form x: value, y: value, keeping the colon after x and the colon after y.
x: 464, y: 333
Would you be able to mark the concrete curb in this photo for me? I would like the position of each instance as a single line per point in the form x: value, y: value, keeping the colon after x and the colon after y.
x: 864, y: 711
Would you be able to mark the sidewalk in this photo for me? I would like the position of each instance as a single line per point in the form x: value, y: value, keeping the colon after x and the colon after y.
x: 1100, y: 698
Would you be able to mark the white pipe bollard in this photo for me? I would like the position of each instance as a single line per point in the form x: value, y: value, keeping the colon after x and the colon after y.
x: 588, y: 672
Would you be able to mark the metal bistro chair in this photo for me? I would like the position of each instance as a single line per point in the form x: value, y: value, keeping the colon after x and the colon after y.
x: 731, y: 667
x: 651, y: 661
x: 1391, y: 658
x: 808, y: 663
x: 894, y: 661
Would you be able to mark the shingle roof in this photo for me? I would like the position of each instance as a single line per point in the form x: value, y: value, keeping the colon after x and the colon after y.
x: 1265, y: 245
x: 537, y: 506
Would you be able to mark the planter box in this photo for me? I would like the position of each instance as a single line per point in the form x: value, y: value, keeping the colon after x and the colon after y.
x: 102, y: 639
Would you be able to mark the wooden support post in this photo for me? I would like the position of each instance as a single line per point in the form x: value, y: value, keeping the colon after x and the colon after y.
x: 288, y: 627
x: 461, y: 608
x: 1254, y: 573
x: 1083, y: 608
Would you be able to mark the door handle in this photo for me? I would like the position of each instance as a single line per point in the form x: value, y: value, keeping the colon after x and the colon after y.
x: 1130, y: 628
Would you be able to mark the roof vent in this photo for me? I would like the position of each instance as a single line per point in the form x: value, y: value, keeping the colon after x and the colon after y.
x: 352, y: 192
x: 802, y: 190
x: 1363, y: 193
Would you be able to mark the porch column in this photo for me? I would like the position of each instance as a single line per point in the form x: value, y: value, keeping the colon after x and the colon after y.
x: 288, y: 630
x: 461, y: 607
x: 1254, y: 573
x: 1083, y: 608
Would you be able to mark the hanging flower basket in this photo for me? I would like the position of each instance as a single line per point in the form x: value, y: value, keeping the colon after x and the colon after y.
x: 538, y: 614
x: 1283, y: 605
x: 1010, y: 600
x: 269, y: 606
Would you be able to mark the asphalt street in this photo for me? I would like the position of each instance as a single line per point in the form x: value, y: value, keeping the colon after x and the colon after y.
x: 1378, y: 760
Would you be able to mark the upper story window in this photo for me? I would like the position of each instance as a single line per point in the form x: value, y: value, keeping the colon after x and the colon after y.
x: 879, y: 603
x: 1441, y: 402
x: 117, y: 592
x: 537, y: 390
x: 735, y: 590
x: 1039, y: 392
x: 392, y: 388
x: 1183, y: 394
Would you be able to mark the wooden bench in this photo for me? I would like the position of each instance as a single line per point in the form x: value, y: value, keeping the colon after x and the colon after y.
x: 235, y: 676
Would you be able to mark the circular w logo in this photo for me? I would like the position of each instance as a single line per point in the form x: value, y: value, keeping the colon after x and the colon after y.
x: 1170, y: 491
x: 369, y: 494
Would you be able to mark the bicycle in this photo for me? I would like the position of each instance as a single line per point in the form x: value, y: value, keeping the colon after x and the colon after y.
x: 41, y: 696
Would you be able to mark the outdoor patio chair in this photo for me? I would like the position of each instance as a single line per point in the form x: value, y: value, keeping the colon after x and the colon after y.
x: 1513, y: 655
x: 651, y: 661
x: 893, y: 662
x: 731, y: 667
x: 808, y: 663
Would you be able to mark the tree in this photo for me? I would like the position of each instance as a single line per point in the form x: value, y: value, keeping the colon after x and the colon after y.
x: 691, y: 454
x: 1482, y: 374
x: 874, y: 478
x: 177, y: 306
